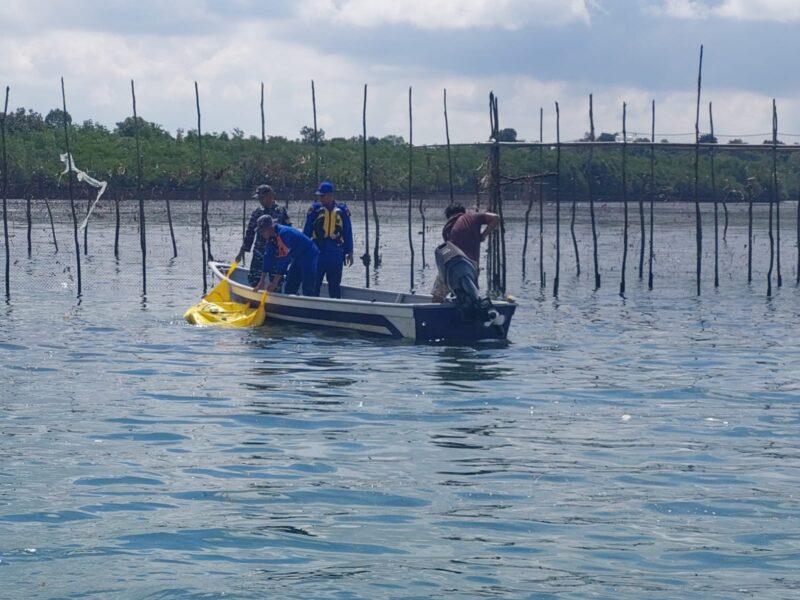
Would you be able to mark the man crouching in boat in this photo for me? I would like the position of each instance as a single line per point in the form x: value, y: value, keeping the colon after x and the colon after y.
x: 465, y: 230
x: 266, y: 198
x: 291, y: 252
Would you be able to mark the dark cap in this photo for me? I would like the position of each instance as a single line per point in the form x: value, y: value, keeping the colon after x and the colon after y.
x: 326, y: 187
x: 262, y: 190
x: 263, y: 222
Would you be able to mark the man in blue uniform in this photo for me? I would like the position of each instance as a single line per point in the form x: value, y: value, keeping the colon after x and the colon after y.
x: 287, y: 250
x: 266, y: 198
x: 328, y: 224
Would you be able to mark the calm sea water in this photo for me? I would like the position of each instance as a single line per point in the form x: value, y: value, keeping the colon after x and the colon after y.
x: 645, y: 446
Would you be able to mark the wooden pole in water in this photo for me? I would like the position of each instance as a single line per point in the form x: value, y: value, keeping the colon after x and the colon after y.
x: 316, y: 136
x: 797, y: 281
x: 558, y: 201
x: 86, y: 227
x: 203, y: 214
x: 574, y: 239
x: 365, y: 258
x: 643, y: 237
x: 698, y: 220
x: 116, y: 227
x: 749, y: 187
x: 449, y: 155
x: 529, y: 191
x: 772, y: 190
x: 5, y: 198
x: 410, y: 183
x: 541, y: 201
x: 142, y: 229
x: 590, y: 188
x: 714, y: 198
x: 776, y: 194
x: 52, y: 223
x: 71, y: 191
x: 501, y: 255
x: 29, y: 222
x: 171, y: 229
x: 376, y: 258
x: 652, y: 193
x: 624, y: 199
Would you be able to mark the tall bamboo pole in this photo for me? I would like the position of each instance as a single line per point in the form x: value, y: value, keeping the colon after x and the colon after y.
x: 558, y: 201
x: 316, y: 136
x: 652, y: 193
x: 410, y: 184
x: 714, y: 198
x: 5, y: 198
x: 772, y: 190
x: 776, y: 194
x: 71, y: 191
x: 624, y: 198
x: 541, y: 201
x: 590, y: 189
x: 365, y: 258
x: 449, y: 155
x: 698, y: 220
x: 142, y: 229
x: 203, y: 213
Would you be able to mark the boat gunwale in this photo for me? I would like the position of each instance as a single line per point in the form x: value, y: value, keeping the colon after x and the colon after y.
x: 343, y: 301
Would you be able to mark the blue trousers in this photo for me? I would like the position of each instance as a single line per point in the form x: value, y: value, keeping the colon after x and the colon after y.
x: 330, y: 265
x: 303, y: 270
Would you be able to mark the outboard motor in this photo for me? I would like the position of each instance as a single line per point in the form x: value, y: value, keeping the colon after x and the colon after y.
x: 460, y: 275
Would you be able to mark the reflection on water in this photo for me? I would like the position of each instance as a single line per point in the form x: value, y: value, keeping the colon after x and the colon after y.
x: 645, y: 447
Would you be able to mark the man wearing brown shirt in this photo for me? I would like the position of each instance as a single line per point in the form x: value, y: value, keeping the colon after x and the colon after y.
x: 465, y: 230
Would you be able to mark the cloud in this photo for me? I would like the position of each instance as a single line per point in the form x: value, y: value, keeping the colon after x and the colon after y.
x: 447, y: 14
x: 738, y: 10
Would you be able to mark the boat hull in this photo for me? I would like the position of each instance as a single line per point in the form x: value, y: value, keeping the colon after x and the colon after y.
x: 392, y: 314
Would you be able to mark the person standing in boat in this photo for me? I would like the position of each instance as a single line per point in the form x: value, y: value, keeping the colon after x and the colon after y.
x: 288, y: 252
x: 266, y: 198
x: 328, y: 224
x: 466, y: 231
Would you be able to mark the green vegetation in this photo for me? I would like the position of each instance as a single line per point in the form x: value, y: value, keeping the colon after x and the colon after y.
x: 235, y: 163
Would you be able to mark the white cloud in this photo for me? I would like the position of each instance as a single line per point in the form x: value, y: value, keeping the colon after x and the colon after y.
x: 447, y: 14
x: 740, y: 10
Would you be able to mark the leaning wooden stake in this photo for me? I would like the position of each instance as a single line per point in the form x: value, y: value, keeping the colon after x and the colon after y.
x: 365, y: 258
x: 449, y: 155
x: 714, y: 198
x: 5, y: 199
x: 202, y: 190
x: 142, y: 229
x: 775, y: 192
x: 316, y: 136
x: 624, y: 199
x: 529, y: 183
x: 410, y: 183
x: 575, y: 239
x: 52, y: 223
x: 171, y: 229
x: 590, y: 189
x: 652, y: 193
x: 71, y: 191
x: 698, y: 221
x: 376, y: 257
x: 558, y: 201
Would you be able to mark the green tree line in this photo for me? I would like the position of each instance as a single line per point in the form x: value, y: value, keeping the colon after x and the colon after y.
x: 234, y: 163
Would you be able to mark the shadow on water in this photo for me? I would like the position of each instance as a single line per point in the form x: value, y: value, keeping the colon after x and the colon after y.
x: 456, y: 365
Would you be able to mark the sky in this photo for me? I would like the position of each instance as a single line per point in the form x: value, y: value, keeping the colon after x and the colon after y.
x: 531, y: 53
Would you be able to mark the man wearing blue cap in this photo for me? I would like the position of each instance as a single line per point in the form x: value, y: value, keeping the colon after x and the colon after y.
x: 287, y: 251
x: 266, y: 198
x: 328, y: 224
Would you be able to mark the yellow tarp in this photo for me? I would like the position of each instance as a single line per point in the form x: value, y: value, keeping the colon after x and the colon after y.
x: 217, y: 309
